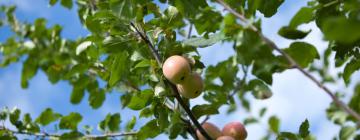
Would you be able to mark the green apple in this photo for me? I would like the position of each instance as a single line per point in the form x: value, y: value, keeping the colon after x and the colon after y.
x: 191, y: 87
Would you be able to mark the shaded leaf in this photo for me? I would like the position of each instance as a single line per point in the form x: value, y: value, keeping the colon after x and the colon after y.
x: 304, y: 129
x: 303, y: 53
x: 205, y: 109
x: 114, y: 122
x: 14, y: 115
x: 350, y: 68
x: 292, y: 33
x: 67, y: 3
x: 269, y: 7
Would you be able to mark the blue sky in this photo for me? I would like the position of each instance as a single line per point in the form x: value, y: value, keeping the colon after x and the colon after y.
x: 295, y: 97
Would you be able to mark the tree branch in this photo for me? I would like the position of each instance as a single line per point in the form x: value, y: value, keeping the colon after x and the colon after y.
x: 172, y: 86
x: 292, y: 62
x: 43, y: 134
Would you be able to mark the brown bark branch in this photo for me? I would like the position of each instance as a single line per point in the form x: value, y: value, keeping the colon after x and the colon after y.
x: 292, y: 62
x: 172, y: 86
x: 43, y: 134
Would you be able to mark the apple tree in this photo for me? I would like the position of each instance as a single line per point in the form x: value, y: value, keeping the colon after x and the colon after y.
x: 148, y: 51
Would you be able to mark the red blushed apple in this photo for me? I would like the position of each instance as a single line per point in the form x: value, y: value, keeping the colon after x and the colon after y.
x: 235, y: 130
x: 176, y: 68
x: 213, y: 131
x: 191, y: 87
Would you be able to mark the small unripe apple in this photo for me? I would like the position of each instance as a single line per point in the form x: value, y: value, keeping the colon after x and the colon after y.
x: 225, y: 138
x: 213, y: 131
x: 176, y: 68
x: 235, y: 130
x: 191, y: 87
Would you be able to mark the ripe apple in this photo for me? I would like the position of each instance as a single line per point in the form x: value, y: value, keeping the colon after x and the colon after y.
x: 191, y: 87
x: 213, y: 131
x: 225, y: 138
x: 176, y: 68
x: 235, y: 130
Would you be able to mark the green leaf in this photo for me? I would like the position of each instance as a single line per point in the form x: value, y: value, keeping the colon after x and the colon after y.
x: 143, y: 63
x: 303, y: 53
x: 292, y: 33
x: 175, y: 129
x: 205, y: 109
x: 355, y: 99
x: 67, y: 3
x: 103, y: 125
x: 96, y: 98
x: 27, y: 118
x: 29, y: 70
x: 70, y: 121
x: 119, y: 68
x: 274, y: 124
x: 14, y: 115
x: 114, y: 122
x: 347, y: 132
x: 287, y: 136
x: 259, y: 89
x: 3, y: 115
x: 262, y: 112
x: 341, y: 29
x: 350, y: 68
x: 82, y: 47
x: 130, y: 125
x: 149, y: 130
x: 304, y: 129
x: 304, y: 15
x: 52, y: 2
x: 250, y: 120
x: 189, y: 8
x: 141, y: 100
x: 269, y: 7
x: 204, y: 42
x: 71, y: 135
x: 47, y: 116
x: 77, y: 95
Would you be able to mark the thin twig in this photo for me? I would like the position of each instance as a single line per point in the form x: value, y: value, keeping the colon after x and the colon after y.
x: 190, y: 30
x: 293, y: 63
x: 172, y: 86
x: 241, y: 83
x: 207, y: 117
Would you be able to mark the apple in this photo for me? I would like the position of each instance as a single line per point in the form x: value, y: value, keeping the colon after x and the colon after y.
x: 213, y: 131
x: 176, y: 68
x: 225, y: 138
x: 235, y: 130
x: 191, y: 87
